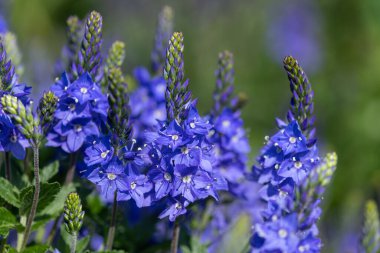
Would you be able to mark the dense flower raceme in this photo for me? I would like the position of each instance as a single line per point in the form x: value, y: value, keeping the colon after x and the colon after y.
x: 112, y: 174
x: 11, y: 140
x: 182, y: 164
x: 81, y: 112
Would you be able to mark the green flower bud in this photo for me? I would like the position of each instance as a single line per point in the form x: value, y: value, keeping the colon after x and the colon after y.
x: 22, y: 117
x: 46, y: 110
x: 371, y: 228
x: 13, y: 51
x: 327, y: 168
x: 73, y: 214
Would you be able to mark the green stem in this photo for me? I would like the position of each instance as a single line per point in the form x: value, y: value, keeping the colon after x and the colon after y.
x: 175, y: 239
x: 8, y: 174
x: 36, y: 195
x: 73, y: 246
x: 71, y: 170
x: 111, y: 231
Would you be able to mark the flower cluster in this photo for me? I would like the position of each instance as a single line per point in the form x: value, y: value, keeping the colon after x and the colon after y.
x: 292, y: 176
x: 181, y: 157
x: 11, y: 139
x: 81, y: 112
x: 283, y: 166
x: 228, y: 134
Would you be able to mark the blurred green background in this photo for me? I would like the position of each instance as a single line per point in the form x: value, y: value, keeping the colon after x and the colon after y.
x: 337, y: 42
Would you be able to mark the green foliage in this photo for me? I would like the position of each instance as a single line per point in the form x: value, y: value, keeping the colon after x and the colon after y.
x: 82, y: 244
x: 49, y: 171
x: 55, y: 208
x: 195, y: 247
x: 47, y: 196
x: 9, y: 193
x: 36, y: 249
x: 7, y: 221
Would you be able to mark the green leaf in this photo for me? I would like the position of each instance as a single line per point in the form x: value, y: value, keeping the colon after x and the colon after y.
x: 49, y: 171
x: 196, y: 247
x: 55, y: 208
x: 47, y: 195
x: 9, y: 192
x: 7, y: 221
x: 36, y: 249
x: 95, y: 204
x: 82, y: 244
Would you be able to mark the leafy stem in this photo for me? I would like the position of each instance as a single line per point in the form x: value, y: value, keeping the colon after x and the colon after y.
x: 33, y: 209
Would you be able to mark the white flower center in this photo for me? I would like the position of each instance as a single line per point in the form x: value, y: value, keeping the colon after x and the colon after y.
x: 292, y: 140
x: 104, y: 154
x: 282, y: 233
x: 178, y: 206
x: 298, y: 165
x: 133, y: 185
x: 186, y: 179
x: 83, y: 90
x: 175, y: 137
x: 78, y: 128
x: 13, y: 138
x: 226, y: 123
x: 185, y: 150
x: 111, y: 176
x: 192, y: 125
x: 167, y: 177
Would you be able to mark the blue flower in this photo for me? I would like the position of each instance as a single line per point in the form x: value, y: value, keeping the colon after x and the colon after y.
x: 11, y: 140
x: 99, y: 153
x: 81, y: 112
x: 75, y: 132
x: 110, y: 178
x: 176, y: 207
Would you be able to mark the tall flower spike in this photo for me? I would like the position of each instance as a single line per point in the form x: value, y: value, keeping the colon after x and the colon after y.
x: 301, y: 104
x: 10, y: 44
x: 22, y: 117
x: 73, y: 33
x: 371, y: 228
x: 119, y: 112
x: 46, y: 109
x: 327, y: 169
x: 177, y: 94
x: 223, y: 93
x: 73, y: 213
x: 163, y: 32
x: 7, y: 70
x: 115, y: 59
x: 89, y: 57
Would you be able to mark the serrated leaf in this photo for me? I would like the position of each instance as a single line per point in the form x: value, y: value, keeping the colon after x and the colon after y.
x: 55, y: 208
x: 47, y: 195
x: 7, y: 221
x: 49, y: 171
x: 36, y: 249
x: 9, y: 192
x: 82, y: 244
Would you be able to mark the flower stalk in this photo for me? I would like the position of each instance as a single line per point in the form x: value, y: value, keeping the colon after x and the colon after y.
x: 175, y: 239
x: 111, y: 231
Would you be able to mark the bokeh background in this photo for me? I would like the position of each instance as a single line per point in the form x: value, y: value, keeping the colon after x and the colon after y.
x: 336, y: 41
